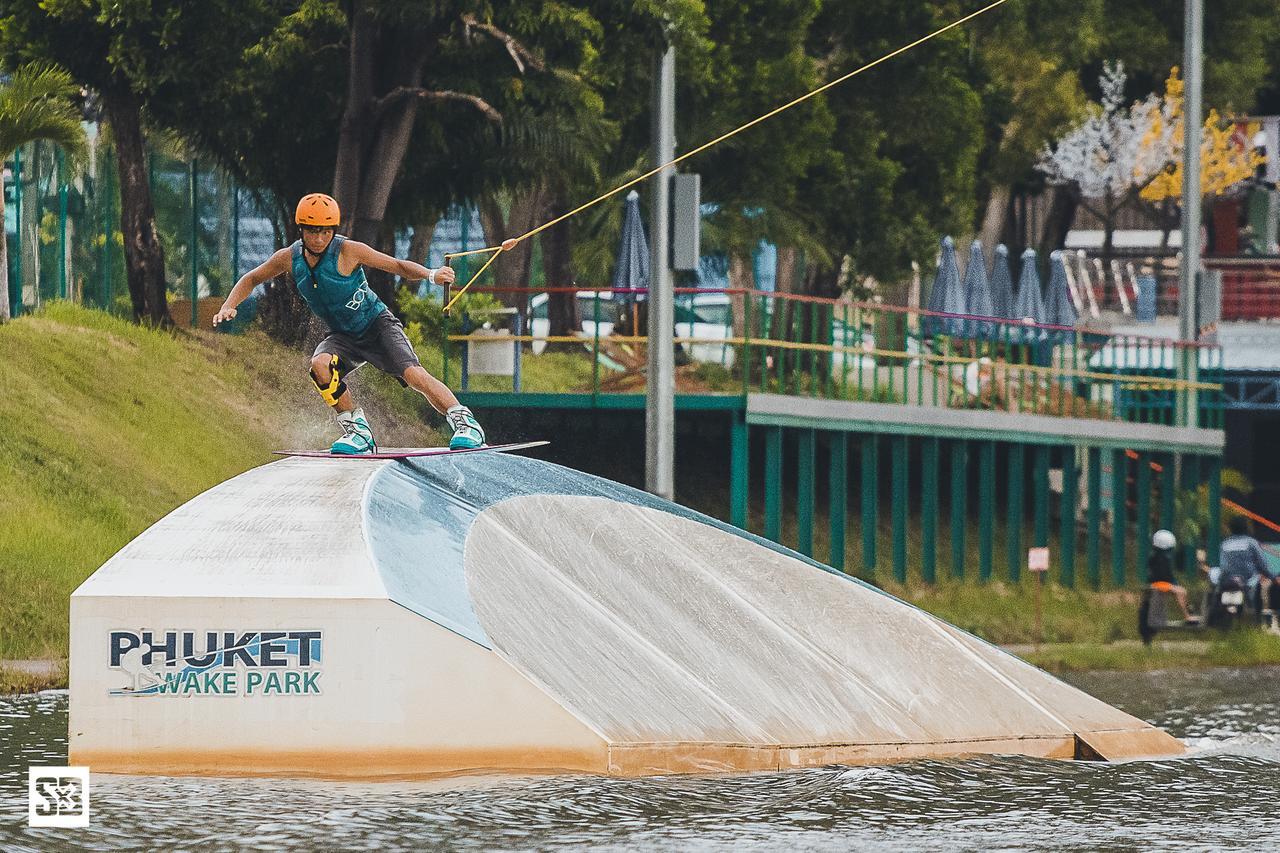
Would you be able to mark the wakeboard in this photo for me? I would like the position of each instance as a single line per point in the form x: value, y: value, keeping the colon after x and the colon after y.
x: 413, y: 452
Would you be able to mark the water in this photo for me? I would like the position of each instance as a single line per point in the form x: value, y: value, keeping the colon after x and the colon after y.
x: 1220, y: 797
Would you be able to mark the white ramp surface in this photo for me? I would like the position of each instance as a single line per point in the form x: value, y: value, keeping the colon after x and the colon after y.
x: 494, y: 612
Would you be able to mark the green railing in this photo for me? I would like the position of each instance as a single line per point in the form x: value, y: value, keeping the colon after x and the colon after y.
x: 64, y: 228
x: 737, y: 341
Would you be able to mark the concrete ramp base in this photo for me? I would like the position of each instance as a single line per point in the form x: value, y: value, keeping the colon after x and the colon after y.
x: 341, y: 618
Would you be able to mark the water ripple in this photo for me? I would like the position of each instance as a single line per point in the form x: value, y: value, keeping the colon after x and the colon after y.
x: 1208, y: 800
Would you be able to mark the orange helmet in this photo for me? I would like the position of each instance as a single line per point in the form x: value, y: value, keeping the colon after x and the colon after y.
x: 317, y: 209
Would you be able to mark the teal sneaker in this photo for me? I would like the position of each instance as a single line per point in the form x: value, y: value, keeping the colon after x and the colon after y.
x: 467, y: 434
x: 356, y: 438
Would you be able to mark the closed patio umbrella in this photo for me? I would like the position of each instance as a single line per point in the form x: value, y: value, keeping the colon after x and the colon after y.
x: 977, y: 292
x: 1059, y: 309
x: 1002, y: 284
x: 631, y: 269
x: 1028, y: 304
x: 947, y: 293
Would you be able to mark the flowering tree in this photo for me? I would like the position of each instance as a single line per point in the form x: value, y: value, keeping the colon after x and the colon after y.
x: 1103, y: 157
x: 1226, y: 160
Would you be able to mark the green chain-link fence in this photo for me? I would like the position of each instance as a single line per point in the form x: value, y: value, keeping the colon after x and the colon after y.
x: 63, y: 228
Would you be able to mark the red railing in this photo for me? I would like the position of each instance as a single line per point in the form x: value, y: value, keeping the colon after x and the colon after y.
x: 1153, y: 341
x: 1250, y: 288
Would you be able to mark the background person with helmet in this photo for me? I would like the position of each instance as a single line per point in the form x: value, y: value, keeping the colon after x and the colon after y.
x: 1242, y: 557
x: 327, y: 271
x: 1160, y: 570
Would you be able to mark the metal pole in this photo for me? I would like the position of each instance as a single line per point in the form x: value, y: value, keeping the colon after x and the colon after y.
x: 517, y: 384
x: 660, y: 416
x: 15, y: 305
x: 1189, y: 269
x: 104, y: 257
x: 194, y: 250
x: 63, y: 292
x: 39, y: 215
x: 235, y: 232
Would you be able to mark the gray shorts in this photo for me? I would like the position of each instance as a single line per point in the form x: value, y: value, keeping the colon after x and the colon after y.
x: 384, y: 345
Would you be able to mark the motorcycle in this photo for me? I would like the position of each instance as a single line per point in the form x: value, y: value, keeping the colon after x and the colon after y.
x: 1229, y: 603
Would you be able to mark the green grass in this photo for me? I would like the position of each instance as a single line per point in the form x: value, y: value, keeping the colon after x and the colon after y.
x: 14, y: 680
x: 1239, y: 648
x: 109, y: 425
x: 1004, y: 613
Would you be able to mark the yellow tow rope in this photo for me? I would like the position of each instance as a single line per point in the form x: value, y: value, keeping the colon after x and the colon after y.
x: 497, y: 250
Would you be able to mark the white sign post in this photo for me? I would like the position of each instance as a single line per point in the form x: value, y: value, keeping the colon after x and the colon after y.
x: 1038, y: 562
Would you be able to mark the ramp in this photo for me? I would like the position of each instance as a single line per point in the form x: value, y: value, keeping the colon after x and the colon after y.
x: 492, y: 612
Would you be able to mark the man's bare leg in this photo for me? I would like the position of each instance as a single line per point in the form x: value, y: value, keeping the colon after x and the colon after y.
x: 467, y: 432
x: 356, y: 435
x: 1180, y: 594
x: 436, y: 392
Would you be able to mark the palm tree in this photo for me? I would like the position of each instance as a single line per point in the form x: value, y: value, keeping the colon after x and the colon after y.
x: 36, y: 103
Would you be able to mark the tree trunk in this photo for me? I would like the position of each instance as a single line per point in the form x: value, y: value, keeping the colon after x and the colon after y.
x: 513, y: 269
x: 420, y: 242
x: 1109, y: 227
x: 385, y: 159
x: 5, y: 312
x: 283, y: 314
x: 817, y: 316
x: 784, y: 282
x: 386, y: 134
x: 384, y: 283
x: 994, y: 219
x: 1061, y: 215
x: 143, y: 255
x: 562, y: 306
x: 354, y: 128
x: 1168, y: 213
x: 372, y: 147
x: 741, y: 277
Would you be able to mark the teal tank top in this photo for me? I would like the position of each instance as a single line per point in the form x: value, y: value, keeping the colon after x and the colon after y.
x: 345, y: 302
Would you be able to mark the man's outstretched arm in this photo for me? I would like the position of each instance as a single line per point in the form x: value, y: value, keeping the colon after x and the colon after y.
x: 368, y: 256
x: 276, y: 265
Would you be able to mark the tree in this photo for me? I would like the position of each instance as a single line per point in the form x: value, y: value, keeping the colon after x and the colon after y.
x: 36, y: 103
x: 423, y: 105
x: 880, y: 196
x: 1225, y: 160
x: 1147, y: 37
x: 757, y: 60
x: 1037, y: 59
x: 1102, y: 158
x: 134, y: 55
x: 1026, y: 67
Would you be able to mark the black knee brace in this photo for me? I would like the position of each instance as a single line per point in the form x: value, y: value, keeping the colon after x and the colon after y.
x: 332, y: 390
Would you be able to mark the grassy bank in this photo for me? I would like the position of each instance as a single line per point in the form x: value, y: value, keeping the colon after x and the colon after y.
x: 109, y: 426
x: 1237, y: 649
x: 15, y: 679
